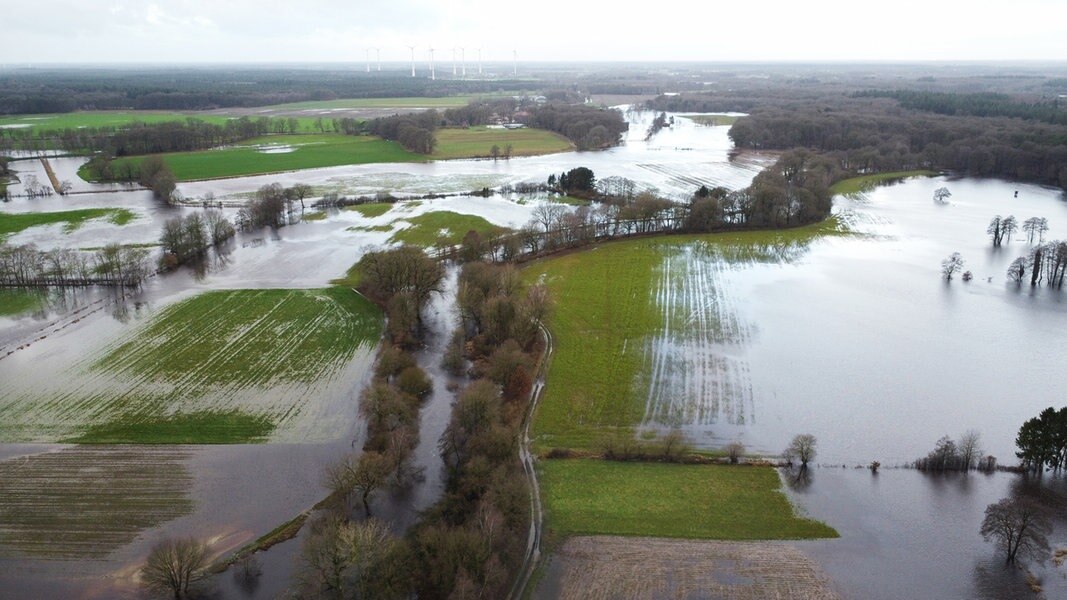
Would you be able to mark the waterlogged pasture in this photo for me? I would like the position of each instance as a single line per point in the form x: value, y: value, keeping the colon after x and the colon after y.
x: 12, y: 223
x: 646, y: 333
x: 477, y: 142
x: 223, y: 366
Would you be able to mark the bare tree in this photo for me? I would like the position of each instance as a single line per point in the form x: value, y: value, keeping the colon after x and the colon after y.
x: 735, y: 451
x: 344, y: 559
x: 174, y: 565
x: 548, y: 215
x: 1008, y: 227
x: 951, y: 265
x: 1019, y: 527
x: 802, y: 448
x: 674, y: 445
x: 941, y: 195
x: 1017, y: 270
x: 970, y: 449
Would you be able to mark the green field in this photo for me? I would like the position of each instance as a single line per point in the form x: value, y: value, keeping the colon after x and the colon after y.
x: 586, y: 497
x: 372, y: 210
x: 866, y: 183
x: 713, y: 120
x: 220, y: 367
x: 476, y: 142
x: 11, y: 223
x: 606, y: 313
x: 16, y: 301
x: 429, y: 229
x: 252, y: 157
x: 97, y: 119
x: 358, y: 103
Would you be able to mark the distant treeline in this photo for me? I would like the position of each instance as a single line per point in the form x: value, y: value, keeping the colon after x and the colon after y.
x: 481, y: 112
x: 67, y: 90
x: 116, y: 265
x: 979, y: 105
x: 868, y: 134
x: 588, y: 127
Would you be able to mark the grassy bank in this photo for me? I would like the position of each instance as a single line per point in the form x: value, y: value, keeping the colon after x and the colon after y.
x: 670, y: 500
x: 11, y: 223
x: 476, y: 142
x: 430, y: 228
x: 866, y: 183
x: 606, y: 313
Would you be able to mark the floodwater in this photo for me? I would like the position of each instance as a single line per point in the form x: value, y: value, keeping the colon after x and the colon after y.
x: 859, y: 340
x: 905, y: 534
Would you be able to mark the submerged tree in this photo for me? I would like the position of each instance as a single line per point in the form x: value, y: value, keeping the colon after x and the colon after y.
x: 175, y: 565
x: 1035, y: 226
x: 802, y: 448
x: 941, y: 195
x: 1018, y: 527
x: 951, y: 265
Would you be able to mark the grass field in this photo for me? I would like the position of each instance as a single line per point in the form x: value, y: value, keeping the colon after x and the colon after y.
x: 260, y: 155
x: 476, y: 142
x: 355, y: 103
x: 865, y: 183
x: 96, y: 119
x: 11, y: 223
x: 713, y: 120
x: 220, y: 367
x: 622, y: 308
x: 16, y: 301
x: 429, y: 228
x: 375, y: 209
x: 671, y: 500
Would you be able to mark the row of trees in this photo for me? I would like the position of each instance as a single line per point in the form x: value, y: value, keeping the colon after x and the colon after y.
x: 113, y: 264
x: 985, y: 104
x: 962, y: 455
x: 1001, y: 229
x: 271, y: 206
x: 1046, y: 263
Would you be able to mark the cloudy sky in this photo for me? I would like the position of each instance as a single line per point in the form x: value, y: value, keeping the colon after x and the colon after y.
x: 543, y: 30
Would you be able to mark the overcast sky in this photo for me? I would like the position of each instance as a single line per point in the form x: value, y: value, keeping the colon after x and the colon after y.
x: 542, y: 30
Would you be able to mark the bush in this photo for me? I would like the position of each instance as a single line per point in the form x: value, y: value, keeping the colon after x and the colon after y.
x: 414, y: 381
x: 392, y: 361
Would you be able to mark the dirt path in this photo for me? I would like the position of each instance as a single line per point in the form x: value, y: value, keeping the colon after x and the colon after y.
x: 603, y: 567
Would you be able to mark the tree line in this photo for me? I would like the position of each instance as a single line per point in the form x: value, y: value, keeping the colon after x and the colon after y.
x: 984, y: 104
x: 188, y: 238
x: 112, y: 265
x: 415, y: 131
x: 867, y: 135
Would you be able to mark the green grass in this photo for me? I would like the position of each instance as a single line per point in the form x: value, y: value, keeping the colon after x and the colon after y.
x: 11, y: 223
x: 313, y: 216
x: 208, y: 427
x: 238, y: 338
x: 587, y: 497
x: 17, y: 301
x: 865, y: 183
x: 376, y: 209
x: 96, y: 119
x: 712, y: 120
x: 310, y: 152
x: 359, y: 103
x: 430, y: 228
x: 230, y: 366
x: 476, y: 142
x: 604, y: 312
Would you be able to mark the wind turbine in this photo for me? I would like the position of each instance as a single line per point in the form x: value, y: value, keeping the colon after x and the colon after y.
x: 479, y: 62
x: 368, y: 60
x: 433, y: 74
x: 412, y: 60
x: 463, y: 57
x: 514, y: 62
x: 453, y: 61
x: 379, y: 53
